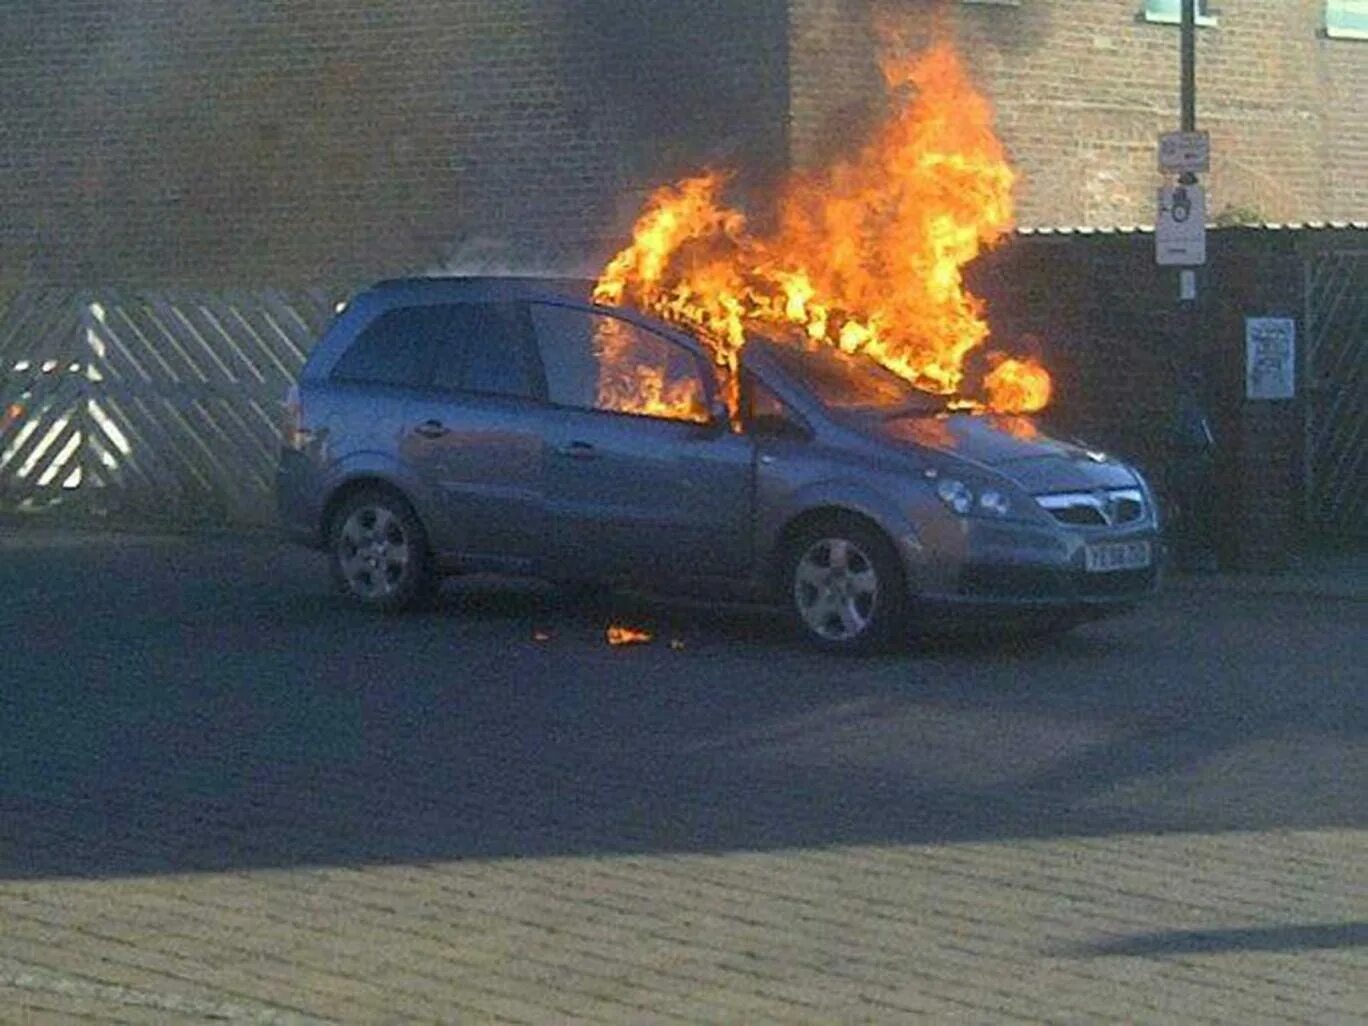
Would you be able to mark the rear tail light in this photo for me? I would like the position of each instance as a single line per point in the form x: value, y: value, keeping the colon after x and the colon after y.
x: 295, y: 435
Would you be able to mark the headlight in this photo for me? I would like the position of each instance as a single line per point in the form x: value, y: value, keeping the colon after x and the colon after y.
x: 993, y: 503
x: 955, y: 494
x: 962, y: 499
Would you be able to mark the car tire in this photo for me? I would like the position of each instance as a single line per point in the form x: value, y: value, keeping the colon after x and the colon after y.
x: 844, y: 587
x: 379, y: 553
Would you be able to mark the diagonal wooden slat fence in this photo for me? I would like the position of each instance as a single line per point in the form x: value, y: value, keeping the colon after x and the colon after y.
x: 149, y: 406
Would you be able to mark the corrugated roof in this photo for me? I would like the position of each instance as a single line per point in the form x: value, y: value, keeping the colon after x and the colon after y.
x: 1148, y: 229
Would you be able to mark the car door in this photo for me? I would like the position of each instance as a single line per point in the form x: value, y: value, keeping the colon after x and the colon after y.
x: 474, y: 434
x: 638, y: 482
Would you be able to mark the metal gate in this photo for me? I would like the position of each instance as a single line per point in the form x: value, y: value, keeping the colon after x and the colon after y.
x: 148, y: 406
x: 1336, y: 365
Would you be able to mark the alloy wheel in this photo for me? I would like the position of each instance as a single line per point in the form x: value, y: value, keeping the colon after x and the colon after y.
x: 374, y: 552
x: 836, y: 589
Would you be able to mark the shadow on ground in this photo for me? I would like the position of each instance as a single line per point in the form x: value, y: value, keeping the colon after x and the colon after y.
x: 172, y: 705
x: 1289, y: 938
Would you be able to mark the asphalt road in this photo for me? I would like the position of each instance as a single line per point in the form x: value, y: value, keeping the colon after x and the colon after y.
x: 206, y: 711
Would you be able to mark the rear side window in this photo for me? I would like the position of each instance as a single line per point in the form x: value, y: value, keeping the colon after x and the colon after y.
x: 598, y: 362
x: 394, y: 348
x: 488, y: 349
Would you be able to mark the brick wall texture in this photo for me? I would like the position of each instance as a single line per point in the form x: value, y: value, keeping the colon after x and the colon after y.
x: 190, y: 141
x: 158, y: 141
x: 1082, y: 89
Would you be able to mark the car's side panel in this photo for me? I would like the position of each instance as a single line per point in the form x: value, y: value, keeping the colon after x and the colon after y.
x: 636, y: 496
x: 481, y: 457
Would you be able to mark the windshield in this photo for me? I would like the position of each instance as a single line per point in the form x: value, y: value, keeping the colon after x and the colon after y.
x: 849, y: 381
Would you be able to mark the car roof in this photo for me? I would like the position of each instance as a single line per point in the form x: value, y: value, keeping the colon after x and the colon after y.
x: 430, y: 288
x: 435, y: 289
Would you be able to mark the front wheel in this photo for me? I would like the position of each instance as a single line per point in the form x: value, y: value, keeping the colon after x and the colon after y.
x: 379, y: 551
x: 846, y: 590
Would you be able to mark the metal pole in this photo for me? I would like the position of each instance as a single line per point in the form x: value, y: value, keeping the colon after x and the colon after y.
x: 1189, y: 61
x: 1198, y: 478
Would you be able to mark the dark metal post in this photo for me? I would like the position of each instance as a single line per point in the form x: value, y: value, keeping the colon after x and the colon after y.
x: 1193, y: 451
x: 1189, y: 59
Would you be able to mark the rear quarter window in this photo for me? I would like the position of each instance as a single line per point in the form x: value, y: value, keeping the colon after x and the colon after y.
x: 395, y: 348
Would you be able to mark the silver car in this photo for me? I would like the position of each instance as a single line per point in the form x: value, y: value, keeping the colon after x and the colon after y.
x: 449, y: 425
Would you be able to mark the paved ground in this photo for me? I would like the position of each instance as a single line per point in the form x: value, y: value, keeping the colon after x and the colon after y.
x: 225, y: 797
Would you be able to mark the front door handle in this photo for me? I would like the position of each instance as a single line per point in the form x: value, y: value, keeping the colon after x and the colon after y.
x: 431, y: 429
x: 578, y: 451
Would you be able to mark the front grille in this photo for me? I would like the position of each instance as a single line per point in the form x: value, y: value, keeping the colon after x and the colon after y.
x: 1101, y: 508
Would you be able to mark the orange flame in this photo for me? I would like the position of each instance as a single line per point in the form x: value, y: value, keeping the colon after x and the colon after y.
x: 620, y: 635
x: 1018, y: 385
x: 866, y: 255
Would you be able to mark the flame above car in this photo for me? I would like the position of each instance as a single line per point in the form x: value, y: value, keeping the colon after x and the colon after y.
x: 866, y: 254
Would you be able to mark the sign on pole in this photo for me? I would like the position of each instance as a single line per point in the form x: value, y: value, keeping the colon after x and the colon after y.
x: 1270, y: 358
x: 1185, y: 152
x: 1180, y: 227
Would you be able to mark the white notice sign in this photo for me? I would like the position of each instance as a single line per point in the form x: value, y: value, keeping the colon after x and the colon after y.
x: 1180, y: 228
x: 1185, y: 151
x: 1270, y: 358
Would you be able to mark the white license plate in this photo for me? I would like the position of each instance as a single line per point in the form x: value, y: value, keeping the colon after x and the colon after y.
x: 1101, y: 559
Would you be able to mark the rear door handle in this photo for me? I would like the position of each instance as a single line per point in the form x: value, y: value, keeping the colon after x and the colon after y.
x: 431, y: 429
x: 578, y: 451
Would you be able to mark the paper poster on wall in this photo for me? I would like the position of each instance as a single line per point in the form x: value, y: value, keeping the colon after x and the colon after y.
x: 1270, y: 358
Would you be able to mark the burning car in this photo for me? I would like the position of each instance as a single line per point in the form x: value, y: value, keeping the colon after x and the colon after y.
x: 444, y: 425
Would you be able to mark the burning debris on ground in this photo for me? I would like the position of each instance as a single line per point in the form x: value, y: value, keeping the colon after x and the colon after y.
x: 866, y: 253
x: 620, y: 634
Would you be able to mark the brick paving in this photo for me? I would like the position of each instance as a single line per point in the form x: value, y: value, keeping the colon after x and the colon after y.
x: 1183, y: 928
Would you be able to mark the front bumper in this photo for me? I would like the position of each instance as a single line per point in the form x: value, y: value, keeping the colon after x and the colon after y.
x: 1007, y: 567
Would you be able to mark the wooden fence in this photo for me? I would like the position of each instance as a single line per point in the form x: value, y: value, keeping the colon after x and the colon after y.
x: 149, y: 406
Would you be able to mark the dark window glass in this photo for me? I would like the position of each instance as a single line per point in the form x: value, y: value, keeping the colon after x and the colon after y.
x: 488, y: 349
x: 394, y: 348
x: 599, y: 362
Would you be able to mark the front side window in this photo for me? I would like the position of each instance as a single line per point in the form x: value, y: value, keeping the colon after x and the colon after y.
x: 393, y: 348
x: 1347, y: 19
x: 595, y: 361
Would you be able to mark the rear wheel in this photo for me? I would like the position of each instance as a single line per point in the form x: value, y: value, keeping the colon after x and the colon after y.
x: 845, y: 587
x: 379, y: 551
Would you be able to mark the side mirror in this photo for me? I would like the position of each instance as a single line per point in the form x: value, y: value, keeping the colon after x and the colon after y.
x: 719, y: 417
x: 773, y: 425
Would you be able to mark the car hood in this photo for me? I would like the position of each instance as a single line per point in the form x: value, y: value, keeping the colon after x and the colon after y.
x: 1012, y: 446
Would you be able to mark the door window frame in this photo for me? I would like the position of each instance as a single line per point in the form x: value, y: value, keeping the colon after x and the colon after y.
x: 702, y: 365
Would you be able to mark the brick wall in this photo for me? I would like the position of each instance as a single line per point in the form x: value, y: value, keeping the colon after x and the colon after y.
x: 190, y: 141
x: 1083, y: 87
x: 159, y: 141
